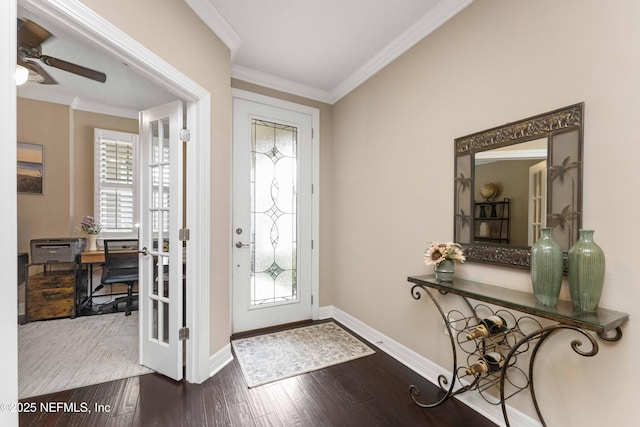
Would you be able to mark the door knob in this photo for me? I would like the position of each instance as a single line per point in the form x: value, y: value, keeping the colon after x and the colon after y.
x: 241, y: 245
x: 144, y: 251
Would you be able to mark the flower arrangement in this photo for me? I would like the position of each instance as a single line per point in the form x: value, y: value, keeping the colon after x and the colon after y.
x: 89, y: 225
x: 439, y: 252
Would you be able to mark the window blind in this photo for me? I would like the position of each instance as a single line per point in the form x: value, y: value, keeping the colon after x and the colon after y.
x: 116, y: 180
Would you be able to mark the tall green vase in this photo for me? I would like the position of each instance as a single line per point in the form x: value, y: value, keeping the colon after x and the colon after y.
x: 546, y: 268
x: 586, y: 272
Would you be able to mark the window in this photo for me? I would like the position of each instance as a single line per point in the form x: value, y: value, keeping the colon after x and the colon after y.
x: 115, y: 180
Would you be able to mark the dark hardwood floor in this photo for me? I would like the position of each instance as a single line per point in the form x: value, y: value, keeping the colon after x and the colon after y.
x: 371, y: 391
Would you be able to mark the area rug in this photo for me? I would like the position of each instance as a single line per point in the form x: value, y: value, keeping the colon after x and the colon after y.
x: 56, y: 355
x: 275, y: 356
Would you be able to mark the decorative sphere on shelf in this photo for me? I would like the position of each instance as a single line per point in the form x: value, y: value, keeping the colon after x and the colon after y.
x: 489, y: 190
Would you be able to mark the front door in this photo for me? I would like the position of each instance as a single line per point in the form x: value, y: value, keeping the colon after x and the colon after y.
x: 161, y: 267
x: 272, y: 215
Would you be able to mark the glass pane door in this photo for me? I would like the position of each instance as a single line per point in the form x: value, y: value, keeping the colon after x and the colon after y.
x: 161, y: 218
x: 273, y: 213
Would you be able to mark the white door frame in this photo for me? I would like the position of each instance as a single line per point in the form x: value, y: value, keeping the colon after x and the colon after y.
x: 85, y: 23
x: 8, y: 214
x: 315, y: 181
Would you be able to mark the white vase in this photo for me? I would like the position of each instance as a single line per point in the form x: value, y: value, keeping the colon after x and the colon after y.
x: 92, y: 242
x: 485, y: 231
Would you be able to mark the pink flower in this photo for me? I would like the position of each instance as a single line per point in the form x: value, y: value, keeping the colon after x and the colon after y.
x: 89, y: 225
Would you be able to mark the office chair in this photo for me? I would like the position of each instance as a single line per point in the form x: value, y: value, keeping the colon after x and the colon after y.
x: 121, y: 266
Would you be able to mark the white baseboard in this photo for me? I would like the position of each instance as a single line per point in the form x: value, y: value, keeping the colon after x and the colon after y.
x: 220, y: 359
x: 325, y: 312
x: 425, y: 368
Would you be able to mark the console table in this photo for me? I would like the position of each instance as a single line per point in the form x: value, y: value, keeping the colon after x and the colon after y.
x: 523, y: 334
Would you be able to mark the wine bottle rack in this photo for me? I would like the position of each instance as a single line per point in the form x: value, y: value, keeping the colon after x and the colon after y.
x: 519, y: 343
x: 488, y: 384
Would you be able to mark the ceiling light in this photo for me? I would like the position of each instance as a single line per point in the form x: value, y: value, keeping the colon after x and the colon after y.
x: 22, y: 75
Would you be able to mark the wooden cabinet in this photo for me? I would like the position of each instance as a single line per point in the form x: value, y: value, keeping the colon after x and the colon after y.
x: 51, y: 295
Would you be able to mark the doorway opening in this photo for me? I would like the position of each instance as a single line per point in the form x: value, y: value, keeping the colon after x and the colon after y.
x: 84, y: 23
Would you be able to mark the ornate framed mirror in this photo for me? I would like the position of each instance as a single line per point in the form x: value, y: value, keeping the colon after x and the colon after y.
x: 512, y: 180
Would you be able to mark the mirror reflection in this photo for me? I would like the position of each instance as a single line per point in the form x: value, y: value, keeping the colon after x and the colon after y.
x: 512, y: 180
x: 517, y: 209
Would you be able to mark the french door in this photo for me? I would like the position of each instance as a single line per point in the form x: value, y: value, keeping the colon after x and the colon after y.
x: 161, y: 266
x: 537, y: 217
x: 272, y: 215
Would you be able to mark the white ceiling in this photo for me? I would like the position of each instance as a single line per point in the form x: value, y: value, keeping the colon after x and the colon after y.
x: 125, y: 92
x: 320, y: 49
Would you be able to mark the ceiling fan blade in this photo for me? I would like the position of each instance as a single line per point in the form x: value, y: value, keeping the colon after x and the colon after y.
x: 74, y: 68
x: 36, y: 68
x: 31, y: 34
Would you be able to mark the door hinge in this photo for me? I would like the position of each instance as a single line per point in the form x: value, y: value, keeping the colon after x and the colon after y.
x: 311, y: 299
x: 312, y: 244
x: 313, y: 133
x: 312, y: 189
x: 183, y: 235
x: 185, y: 135
x: 183, y: 333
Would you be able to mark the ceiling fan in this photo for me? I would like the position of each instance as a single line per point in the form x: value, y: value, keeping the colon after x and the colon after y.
x: 30, y: 39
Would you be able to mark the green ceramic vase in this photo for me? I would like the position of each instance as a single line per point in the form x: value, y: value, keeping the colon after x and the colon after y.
x: 586, y: 272
x: 444, y: 270
x: 546, y: 268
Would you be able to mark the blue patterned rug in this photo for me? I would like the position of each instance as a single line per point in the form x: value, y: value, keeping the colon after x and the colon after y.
x: 275, y: 356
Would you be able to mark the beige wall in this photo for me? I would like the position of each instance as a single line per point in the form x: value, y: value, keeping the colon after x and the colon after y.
x: 46, y: 215
x: 496, y: 62
x: 67, y: 136
x: 84, y: 123
x: 326, y: 181
x: 180, y: 38
x: 387, y: 169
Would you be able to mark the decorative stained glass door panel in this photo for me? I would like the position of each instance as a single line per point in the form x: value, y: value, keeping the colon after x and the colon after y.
x: 273, y: 212
x: 272, y: 216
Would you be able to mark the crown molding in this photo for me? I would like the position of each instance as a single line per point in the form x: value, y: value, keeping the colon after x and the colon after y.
x: 94, y: 107
x: 270, y: 81
x: 79, y: 104
x: 443, y: 11
x: 55, y: 98
x: 216, y: 23
x: 436, y: 17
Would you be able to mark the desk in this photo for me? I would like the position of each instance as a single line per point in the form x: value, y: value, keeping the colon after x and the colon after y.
x: 89, y: 258
x: 92, y: 257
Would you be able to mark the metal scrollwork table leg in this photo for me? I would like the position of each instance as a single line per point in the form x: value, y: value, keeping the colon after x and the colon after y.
x: 538, y: 336
x: 541, y: 335
x: 446, y: 385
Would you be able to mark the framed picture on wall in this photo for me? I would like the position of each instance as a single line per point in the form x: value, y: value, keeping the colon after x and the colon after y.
x: 30, y: 168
